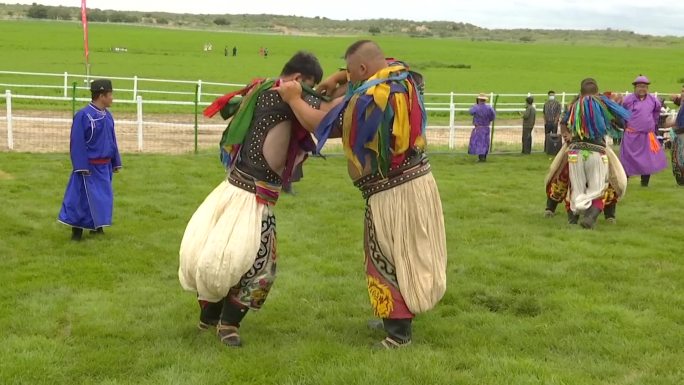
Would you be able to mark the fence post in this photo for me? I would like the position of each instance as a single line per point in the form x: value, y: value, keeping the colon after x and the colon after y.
x: 196, y: 113
x: 491, y: 130
x: 73, y: 100
x: 563, y: 100
x: 10, y: 139
x: 135, y: 87
x: 140, y: 123
x: 452, y: 119
x: 199, y: 91
x: 66, y: 85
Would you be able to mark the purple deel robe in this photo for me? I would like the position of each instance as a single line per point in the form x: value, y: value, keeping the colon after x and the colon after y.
x: 483, y: 115
x: 89, y: 199
x: 638, y: 152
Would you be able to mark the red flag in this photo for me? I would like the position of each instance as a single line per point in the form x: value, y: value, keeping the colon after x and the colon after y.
x: 84, y: 20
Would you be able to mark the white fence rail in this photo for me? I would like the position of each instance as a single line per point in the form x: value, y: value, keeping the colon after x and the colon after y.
x: 142, y: 92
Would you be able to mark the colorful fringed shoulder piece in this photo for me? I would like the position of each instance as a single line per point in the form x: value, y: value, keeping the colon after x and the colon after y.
x: 591, y: 116
x: 383, y: 118
x: 240, y: 105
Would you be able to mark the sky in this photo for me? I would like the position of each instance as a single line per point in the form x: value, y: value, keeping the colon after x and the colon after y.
x: 653, y: 17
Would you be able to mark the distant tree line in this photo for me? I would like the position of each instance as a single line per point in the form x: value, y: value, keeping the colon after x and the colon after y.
x: 325, y: 26
x: 38, y: 11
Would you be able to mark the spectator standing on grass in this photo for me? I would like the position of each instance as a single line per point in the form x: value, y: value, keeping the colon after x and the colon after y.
x: 677, y: 135
x: 89, y: 198
x: 528, y: 118
x: 552, y: 112
x: 483, y: 116
x: 640, y: 151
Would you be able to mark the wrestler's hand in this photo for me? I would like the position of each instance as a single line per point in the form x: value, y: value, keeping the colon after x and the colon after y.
x: 330, y: 84
x: 327, y: 86
x: 290, y: 91
x: 567, y: 137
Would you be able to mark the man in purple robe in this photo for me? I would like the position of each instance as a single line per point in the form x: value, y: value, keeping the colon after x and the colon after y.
x: 483, y: 116
x: 640, y: 152
x: 89, y: 199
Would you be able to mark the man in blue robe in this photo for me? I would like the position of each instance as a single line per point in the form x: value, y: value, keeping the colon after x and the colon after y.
x: 89, y: 199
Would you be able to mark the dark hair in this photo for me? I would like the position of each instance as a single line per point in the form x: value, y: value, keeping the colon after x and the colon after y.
x: 529, y: 100
x: 304, y: 63
x: 355, y: 47
x: 551, y: 92
x: 588, y: 87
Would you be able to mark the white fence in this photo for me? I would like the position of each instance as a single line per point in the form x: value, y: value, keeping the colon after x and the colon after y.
x: 449, y: 123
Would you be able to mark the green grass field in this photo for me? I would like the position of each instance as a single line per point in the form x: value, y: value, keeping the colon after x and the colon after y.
x: 530, y: 300
x: 177, y: 54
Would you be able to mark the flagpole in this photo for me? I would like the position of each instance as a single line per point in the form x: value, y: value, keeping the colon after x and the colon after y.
x: 84, y: 21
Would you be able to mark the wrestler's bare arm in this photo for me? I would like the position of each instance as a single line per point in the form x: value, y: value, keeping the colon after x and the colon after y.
x: 308, y: 116
x: 334, y: 85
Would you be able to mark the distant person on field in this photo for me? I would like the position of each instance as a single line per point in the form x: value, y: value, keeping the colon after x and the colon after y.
x: 528, y: 118
x: 234, y: 50
x: 677, y: 136
x: 297, y: 175
x: 640, y: 151
x: 483, y: 116
x: 89, y: 199
x: 552, y: 113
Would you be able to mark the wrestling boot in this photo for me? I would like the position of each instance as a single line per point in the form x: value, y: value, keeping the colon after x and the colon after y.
x: 227, y: 328
x: 609, y: 213
x: 98, y: 231
x: 375, y: 324
x: 210, y: 313
x: 398, y: 334
x: 590, y: 216
x: 550, y: 210
x: 572, y: 218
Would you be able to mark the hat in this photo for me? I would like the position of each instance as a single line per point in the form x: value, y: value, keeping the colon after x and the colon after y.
x: 482, y: 96
x: 641, y: 79
x: 101, y: 85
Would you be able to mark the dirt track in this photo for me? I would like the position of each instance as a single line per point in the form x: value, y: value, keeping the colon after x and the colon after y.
x: 172, y: 133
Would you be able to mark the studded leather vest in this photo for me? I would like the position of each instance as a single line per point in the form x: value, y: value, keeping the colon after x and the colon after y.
x: 269, y: 111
